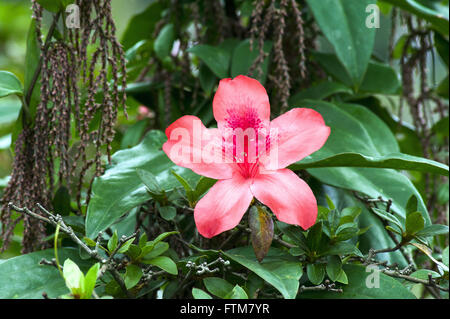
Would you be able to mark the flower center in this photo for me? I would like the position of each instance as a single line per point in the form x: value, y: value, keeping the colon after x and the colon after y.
x: 244, y: 141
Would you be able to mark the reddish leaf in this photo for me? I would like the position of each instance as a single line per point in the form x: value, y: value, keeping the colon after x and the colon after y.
x: 261, y: 225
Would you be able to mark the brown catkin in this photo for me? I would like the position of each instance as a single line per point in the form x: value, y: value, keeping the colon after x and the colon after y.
x: 64, y: 66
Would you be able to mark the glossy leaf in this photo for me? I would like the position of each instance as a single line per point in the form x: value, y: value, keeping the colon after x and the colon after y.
x: 23, y: 277
x: 165, y: 263
x: 217, y: 59
x: 320, y: 91
x: 344, y: 25
x: 243, y: 58
x: 200, y: 294
x: 119, y: 189
x: 389, y: 288
x: 218, y: 286
x: 278, y: 268
x: 356, y: 129
x: 133, y: 274
x: 439, y: 21
x: 164, y: 42
x: 379, y: 78
x: 9, y: 84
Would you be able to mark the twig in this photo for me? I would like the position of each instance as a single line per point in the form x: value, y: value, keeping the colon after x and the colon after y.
x: 57, y: 219
x: 326, y: 286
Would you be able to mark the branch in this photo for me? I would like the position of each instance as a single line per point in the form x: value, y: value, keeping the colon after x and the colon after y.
x: 57, y: 219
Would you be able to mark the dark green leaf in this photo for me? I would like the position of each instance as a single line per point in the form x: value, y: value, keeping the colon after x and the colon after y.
x: 414, y: 223
x: 357, y: 288
x: 217, y: 59
x: 218, y: 286
x: 168, y: 212
x: 316, y: 273
x: 356, y: 129
x: 433, y: 230
x: 345, y: 27
x: 120, y: 189
x: 164, y: 42
x: 132, y: 276
x: 23, y: 277
x: 243, y: 59
x: 334, y: 267
x: 278, y: 268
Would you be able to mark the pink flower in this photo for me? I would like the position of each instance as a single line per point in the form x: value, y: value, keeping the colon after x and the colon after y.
x: 248, y: 154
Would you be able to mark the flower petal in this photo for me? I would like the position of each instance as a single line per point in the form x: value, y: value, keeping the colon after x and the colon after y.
x: 288, y: 196
x: 223, y: 206
x: 190, y: 144
x: 298, y: 133
x: 241, y: 102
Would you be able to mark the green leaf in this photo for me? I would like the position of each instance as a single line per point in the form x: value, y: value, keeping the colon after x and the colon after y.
x: 379, y: 77
x: 278, y: 268
x: 168, y: 212
x: 261, y: 226
x: 441, y: 45
x: 389, y: 288
x: 112, y: 242
x: 243, y: 59
x: 389, y: 217
x: 414, y: 223
x: 433, y: 230
x: 342, y: 248
x: 314, y: 238
x: 200, y: 294
x: 72, y: 275
x: 133, y: 274
x: 23, y: 277
x: 237, y: 293
x: 439, y: 20
x: 149, y: 181
x: 61, y: 201
x: 119, y: 189
x: 316, y: 273
x: 90, y: 280
x: 164, y: 42
x: 423, y: 274
x: 54, y: 5
x: 392, y: 160
x: 218, y: 286
x: 356, y: 129
x: 124, y: 248
x: 217, y: 59
x: 165, y: 263
x: 295, y: 234
x: 142, y: 25
x: 411, y: 205
x: 345, y: 27
x: 203, y: 185
x: 156, y: 250
x: 89, y: 242
x: 445, y: 256
x: 32, y: 60
x: 320, y: 91
x: 9, y: 84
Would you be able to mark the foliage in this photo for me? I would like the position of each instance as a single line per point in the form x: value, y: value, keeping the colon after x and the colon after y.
x: 104, y: 213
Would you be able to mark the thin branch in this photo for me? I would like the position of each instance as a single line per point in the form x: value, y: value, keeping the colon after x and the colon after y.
x: 57, y: 219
